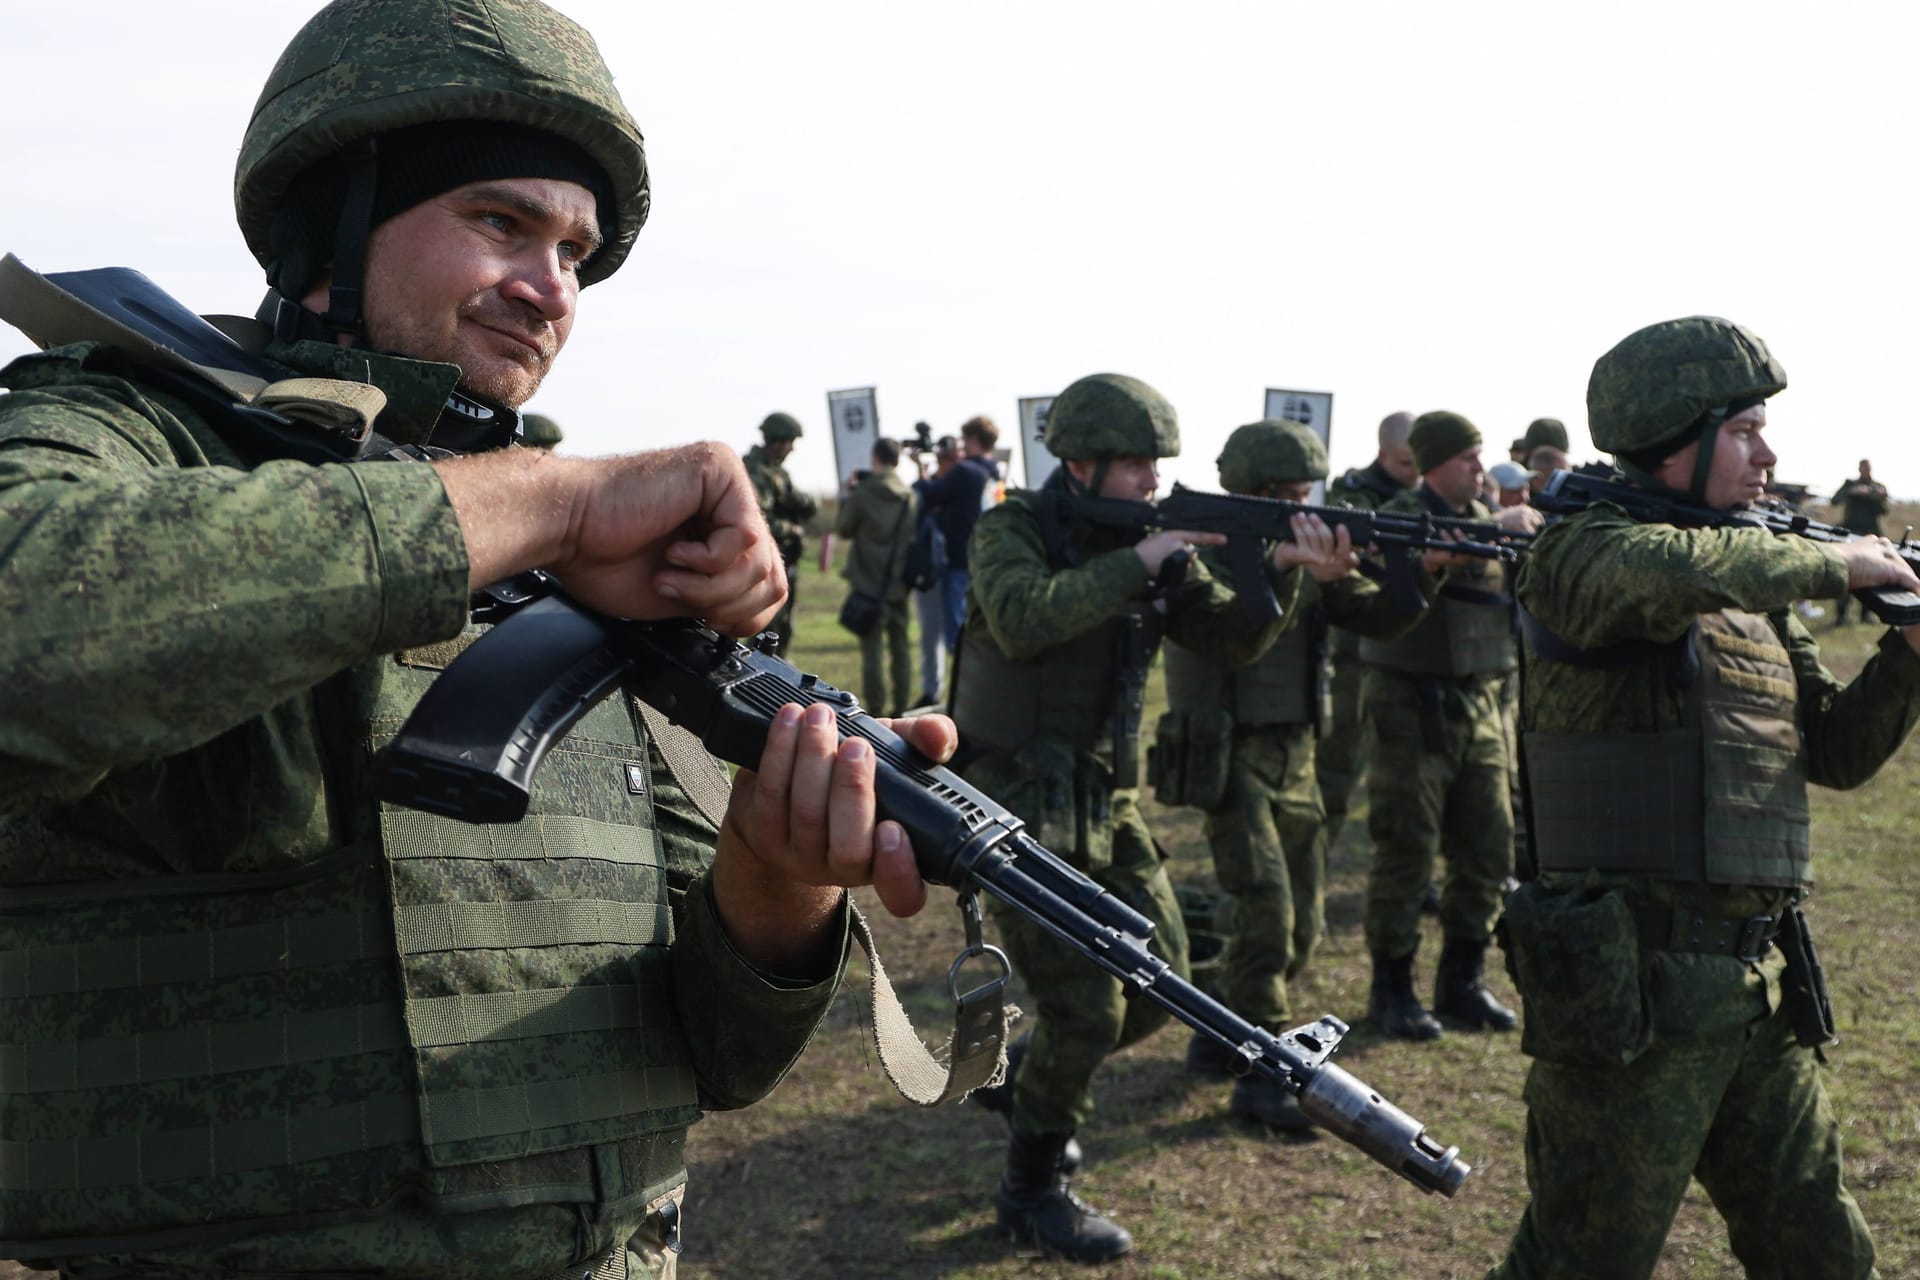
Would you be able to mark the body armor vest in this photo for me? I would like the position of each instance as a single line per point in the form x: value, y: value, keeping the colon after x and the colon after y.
x: 1467, y: 631
x: 1073, y: 692
x: 421, y: 1014
x: 1281, y: 686
x: 1720, y: 800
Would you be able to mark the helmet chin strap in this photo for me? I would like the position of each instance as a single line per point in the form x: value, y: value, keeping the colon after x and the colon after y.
x: 350, y: 236
x: 1703, y: 461
x: 1092, y: 488
x: 1696, y: 489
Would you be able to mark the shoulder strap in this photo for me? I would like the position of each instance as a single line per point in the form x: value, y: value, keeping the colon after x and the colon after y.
x: 973, y: 1057
x: 1678, y: 657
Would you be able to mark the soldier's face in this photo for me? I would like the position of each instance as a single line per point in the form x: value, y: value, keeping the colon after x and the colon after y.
x: 483, y: 276
x: 1398, y: 461
x: 1134, y: 479
x: 1458, y: 479
x: 1741, y: 460
x: 779, y: 449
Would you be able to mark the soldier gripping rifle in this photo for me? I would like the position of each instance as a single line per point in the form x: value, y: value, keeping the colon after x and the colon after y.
x: 1570, y: 492
x: 1249, y: 524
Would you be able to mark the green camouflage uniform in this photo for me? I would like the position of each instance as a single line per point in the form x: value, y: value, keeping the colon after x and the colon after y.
x: 1444, y: 796
x: 878, y: 517
x: 1340, y: 757
x: 277, y: 1027
x: 1268, y: 829
x: 1655, y: 1060
x: 1043, y: 620
x: 787, y: 510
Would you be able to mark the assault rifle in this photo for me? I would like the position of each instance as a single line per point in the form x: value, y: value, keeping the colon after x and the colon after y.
x: 1251, y: 523
x: 1568, y: 492
x: 471, y: 746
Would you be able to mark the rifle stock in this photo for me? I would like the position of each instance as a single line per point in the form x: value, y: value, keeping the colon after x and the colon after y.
x: 472, y: 745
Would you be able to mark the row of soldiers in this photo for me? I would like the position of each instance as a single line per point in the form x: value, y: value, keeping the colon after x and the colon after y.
x: 1059, y: 613
x: 1629, y: 919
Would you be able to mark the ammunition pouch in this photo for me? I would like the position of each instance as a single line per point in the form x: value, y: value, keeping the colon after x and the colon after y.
x: 1188, y: 761
x: 1575, y: 958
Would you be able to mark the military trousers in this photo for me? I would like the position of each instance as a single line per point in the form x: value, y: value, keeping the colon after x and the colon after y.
x: 930, y: 614
x: 1270, y: 858
x: 883, y: 648
x: 1081, y: 1014
x: 1436, y: 798
x: 1340, y: 757
x: 1610, y: 1151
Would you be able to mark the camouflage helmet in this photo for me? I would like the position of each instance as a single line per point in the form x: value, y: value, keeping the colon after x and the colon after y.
x: 1109, y: 415
x: 538, y: 431
x: 360, y: 68
x: 781, y: 426
x: 1662, y: 379
x: 1271, y: 451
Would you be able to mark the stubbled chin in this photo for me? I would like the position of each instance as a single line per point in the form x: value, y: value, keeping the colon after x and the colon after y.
x: 501, y: 378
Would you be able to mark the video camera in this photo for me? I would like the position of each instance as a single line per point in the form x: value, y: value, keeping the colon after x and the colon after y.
x: 921, y: 441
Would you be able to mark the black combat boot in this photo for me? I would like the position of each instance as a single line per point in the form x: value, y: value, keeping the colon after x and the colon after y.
x: 1263, y: 1101
x: 998, y: 1099
x: 1393, y: 1006
x: 1036, y: 1207
x: 1458, y: 991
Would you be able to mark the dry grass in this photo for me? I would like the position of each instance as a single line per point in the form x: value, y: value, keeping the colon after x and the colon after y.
x: 836, y: 1176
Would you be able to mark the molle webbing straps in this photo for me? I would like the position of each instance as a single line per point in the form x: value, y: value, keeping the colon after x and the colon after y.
x: 975, y: 1056
x: 154, y: 1030
x: 1757, y: 822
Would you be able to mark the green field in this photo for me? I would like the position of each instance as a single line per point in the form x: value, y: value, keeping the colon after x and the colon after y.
x: 836, y: 1176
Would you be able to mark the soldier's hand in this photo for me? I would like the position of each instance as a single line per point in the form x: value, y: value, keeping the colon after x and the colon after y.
x: 1326, y: 554
x: 1872, y: 561
x: 1520, y: 519
x: 802, y: 827
x: 671, y: 533
x: 1154, y: 549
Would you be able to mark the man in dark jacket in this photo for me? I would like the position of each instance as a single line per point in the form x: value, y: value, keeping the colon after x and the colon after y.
x: 956, y: 500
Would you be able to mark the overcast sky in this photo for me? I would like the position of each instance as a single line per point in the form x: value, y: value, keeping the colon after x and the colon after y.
x: 1411, y: 205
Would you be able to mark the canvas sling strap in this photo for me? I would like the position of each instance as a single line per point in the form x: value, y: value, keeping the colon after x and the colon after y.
x: 975, y: 1054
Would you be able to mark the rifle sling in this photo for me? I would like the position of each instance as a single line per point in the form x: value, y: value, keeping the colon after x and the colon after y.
x: 975, y: 1054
